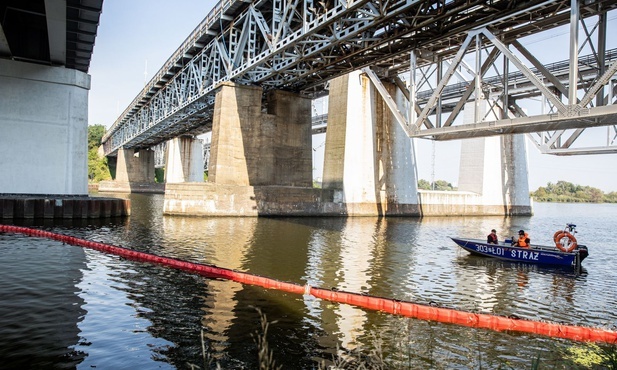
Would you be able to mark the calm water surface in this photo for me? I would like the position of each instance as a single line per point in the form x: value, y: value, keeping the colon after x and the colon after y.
x: 65, y: 307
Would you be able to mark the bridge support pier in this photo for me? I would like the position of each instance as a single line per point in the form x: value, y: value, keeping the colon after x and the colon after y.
x: 43, y: 129
x: 251, y: 148
x: 368, y: 157
x: 134, y: 173
x: 495, y: 168
x: 43, y: 145
x: 260, y: 163
x: 185, y: 162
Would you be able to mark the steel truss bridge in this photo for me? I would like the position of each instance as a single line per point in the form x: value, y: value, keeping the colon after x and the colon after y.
x: 299, y: 45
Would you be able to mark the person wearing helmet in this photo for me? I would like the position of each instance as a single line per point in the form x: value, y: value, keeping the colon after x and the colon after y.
x: 523, y: 239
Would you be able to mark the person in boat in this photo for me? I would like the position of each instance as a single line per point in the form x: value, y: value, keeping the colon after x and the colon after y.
x: 523, y: 239
x: 492, y: 237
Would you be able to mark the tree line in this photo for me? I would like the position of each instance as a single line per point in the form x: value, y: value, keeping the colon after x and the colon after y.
x: 440, y: 185
x: 564, y: 191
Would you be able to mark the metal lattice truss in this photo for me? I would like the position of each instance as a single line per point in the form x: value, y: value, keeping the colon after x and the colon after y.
x: 298, y: 45
x: 160, y: 152
x: 577, y: 95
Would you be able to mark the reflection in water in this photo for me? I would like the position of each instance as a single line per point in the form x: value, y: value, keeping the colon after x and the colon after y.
x: 356, y: 249
x: 41, y: 308
x: 522, y: 279
x: 118, y: 316
x: 127, y: 313
x: 222, y: 242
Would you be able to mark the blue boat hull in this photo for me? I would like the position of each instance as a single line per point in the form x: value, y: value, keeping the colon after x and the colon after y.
x: 542, y: 255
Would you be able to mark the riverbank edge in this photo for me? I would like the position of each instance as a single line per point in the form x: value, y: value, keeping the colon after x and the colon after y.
x: 24, y: 206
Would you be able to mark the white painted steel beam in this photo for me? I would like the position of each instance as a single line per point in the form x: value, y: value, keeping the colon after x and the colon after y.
x: 574, y: 18
x: 593, y: 117
x: 387, y: 98
x: 526, y: 71
x: 582, y: 151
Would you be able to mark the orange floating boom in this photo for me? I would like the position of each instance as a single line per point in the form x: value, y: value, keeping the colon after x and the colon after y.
x: 395, y: 307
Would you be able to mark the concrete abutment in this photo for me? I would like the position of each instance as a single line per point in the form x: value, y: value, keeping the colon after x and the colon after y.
x: 495, y: 167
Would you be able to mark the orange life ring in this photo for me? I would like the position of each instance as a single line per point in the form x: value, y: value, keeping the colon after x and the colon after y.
x: 560, y: 245
x: 557, y: 233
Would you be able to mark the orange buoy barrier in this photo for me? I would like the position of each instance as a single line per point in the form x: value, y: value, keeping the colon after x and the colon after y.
x: 559, y: 236
x: 393, y: 306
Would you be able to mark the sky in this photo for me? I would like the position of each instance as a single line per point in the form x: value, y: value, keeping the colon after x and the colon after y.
x: 136, y: 37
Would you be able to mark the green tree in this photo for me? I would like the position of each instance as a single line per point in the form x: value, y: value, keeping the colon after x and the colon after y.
x: 564, y: 191
x: 443, y: 185
x: 541, y: 193
x: 424, y: 185
x: 159, y: 175
x: 98, y: 170
x: 440, y: 185
x: 596, y: 195
x: 95, y: 134
x: 611, y: 197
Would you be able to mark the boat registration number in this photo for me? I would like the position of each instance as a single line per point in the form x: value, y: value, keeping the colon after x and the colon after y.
x: 514, y: 253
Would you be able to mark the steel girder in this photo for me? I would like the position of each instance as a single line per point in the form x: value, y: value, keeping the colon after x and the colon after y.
x: 553, y: 133
x: 299, y: 45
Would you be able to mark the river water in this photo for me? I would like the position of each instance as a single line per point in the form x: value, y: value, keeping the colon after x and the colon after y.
x: 66, y: 307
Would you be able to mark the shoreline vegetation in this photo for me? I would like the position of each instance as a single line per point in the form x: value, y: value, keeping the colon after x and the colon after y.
x: 560, y: 192
x: 566, y: 192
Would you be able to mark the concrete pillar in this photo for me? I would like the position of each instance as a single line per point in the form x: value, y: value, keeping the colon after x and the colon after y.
x: 43, y: 129
x: 367, y: 155
x: 237, y: 115
x: 185, y: 162
x: 251, y: 148
x: 495, y: 167
x: 135, y: 167
x: 292, y: 146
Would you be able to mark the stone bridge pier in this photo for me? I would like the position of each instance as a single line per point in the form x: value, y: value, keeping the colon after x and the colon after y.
x: 260, y: 161
x: 369, y: 160
x: 495, y: 167
x: 134, y: 171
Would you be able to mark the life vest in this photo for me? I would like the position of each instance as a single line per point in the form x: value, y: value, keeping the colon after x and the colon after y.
x: 522, y: 241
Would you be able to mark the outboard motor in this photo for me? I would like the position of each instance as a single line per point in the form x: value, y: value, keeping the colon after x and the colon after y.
x: 583, y: 252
